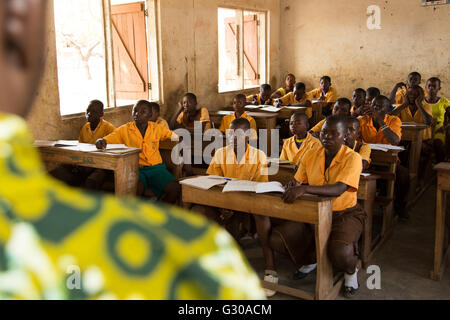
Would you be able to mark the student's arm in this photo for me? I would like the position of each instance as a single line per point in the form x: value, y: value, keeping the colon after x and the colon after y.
x: 328, y: 190
x: 394, y: 91
x: 426, y: 117
x: 392, y: 137
x: 276, y: 95
x: 173, y: 120
x: 399, y: 109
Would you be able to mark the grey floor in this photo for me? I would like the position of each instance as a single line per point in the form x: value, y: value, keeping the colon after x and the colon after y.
x: 405, y: 261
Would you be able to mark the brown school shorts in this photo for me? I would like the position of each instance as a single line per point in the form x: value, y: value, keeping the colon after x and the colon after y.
x: 348, y: 225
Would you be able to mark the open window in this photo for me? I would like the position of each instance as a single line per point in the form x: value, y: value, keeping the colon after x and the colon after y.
x: 242, y: 49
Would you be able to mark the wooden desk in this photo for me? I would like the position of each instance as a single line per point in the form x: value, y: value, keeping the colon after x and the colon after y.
x: 308, y: 209
x: 366, y: 197
x: 317, y: 110
x: 413, y: 132
x: 264, y: 120
x: 441, y: 248
x: 125, y: 164
x: 388, y: 160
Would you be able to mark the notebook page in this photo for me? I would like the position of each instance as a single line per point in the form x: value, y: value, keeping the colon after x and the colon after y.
x: 240, y: 185
x: 265, y: 187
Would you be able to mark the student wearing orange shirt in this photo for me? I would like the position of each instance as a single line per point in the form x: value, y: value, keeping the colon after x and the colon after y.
x: 188, y: 113
x: 342, y: 107
x: 298, y: 98
x: 359, y: 102
x: 156, y: 118
x: 380, y: 127
x: 398, y: 94
x: 325, y: 93
x: 239, y: 103
x: 332, y: 170
x: 95, y: 128
x: 289, y: 83
x: 353, y: 141
x: 263, y: 97
x: 145, y: 135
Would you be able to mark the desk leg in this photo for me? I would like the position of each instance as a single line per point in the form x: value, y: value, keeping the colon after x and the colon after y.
x: 414, y: 158
x: 388, y: 211
x: 126, y: 176
x: 324, y: 281
x: 440, y: 248
x: 366, y: 250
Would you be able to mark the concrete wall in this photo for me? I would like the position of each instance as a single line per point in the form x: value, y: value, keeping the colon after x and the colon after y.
x: 331, y: 37
x: 189, y: 62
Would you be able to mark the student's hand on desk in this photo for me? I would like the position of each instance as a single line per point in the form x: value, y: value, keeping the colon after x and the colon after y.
x: 101, y: 144
x: 291, y: 184
x: 291, y: 194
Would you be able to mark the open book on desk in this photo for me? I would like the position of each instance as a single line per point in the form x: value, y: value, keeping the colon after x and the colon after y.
x: 385, y: 147
x: 251, y: 186
x: 204, y: 182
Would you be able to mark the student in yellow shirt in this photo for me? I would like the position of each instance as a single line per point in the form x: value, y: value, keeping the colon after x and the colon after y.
x: 341, y: 107
x: 332, y: 170
x: 229, y: 162
x: 371, y: 93
x: 398, y: 94
x: 263, y: 97
x: 289, y: 83
x: 115, y: 248
x: 354, y: 142
x: 156, y: 118
x: 145, y: 135
x: 239, y: 102
x: 95, y: 128
x: 325, y: 93
x: 298, y: 98
x: 359, y: 102
x: 295, y: 147
x: 188, y: 113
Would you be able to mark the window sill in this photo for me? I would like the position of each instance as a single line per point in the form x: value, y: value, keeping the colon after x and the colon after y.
x: 244, y: 91
x: 107, y: 111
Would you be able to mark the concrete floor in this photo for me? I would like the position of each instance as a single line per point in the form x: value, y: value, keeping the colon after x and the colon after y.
x: 405, y: 260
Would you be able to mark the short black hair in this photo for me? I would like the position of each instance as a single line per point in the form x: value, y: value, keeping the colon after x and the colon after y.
x: 360, y: 90
x: 240, y: 96
x: 299, y: 86
x: 145, y: 104
x: 289, y: 75
x: 415, y: 73
x: 373, y: 92
x: 435, y: 79
x: 97, y: 103
x: 155, y: 107
x: 386, y: 101
x: 265, y: 87
x: 192, y: 96
x: 242, y: 123
x: 299, y: 115
x: 345, y: 101
x: 353, y: 120
x: 326, y: 78
x: 337, y: 119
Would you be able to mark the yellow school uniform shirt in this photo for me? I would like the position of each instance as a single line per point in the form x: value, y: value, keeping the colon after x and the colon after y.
x: 258, y: 98
x: 289, y: 99
x: 226, y: 122
x: 52, y: 236
x: 103, y: 129
x: 318, y: 126
x: 370, y: 134
x: 406, y: 116
x: 129, y: 135
x: 252, y: 167
x: 282, y: 91
x: 400, y: 95
x: 346, y: 168
x: 202, y: 116
x: 330, y: 96
x: 364, y: 151
x: 162, y: 122
x: 293, y: 154
x: 438, y: 111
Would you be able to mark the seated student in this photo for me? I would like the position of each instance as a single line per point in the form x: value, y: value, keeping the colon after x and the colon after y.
x: 289, y: 83
x: 359, y: 102
x: 325, y: 93
x: 398, y: 94
x: 228, y: 162
x: 145, y: 135
x: 263, y: 97
x: 297, y: 98
x: 134, y: 249
x: 332, y: 170
x: 341, y: 107
x: 95, y: 128
x: 371, y: 93
x: 439, y: 107
x: 295, y: 147
x: 239, y: 102
x: 156, y: 115
x: 353, y: 141
x: 188, y: 113
x: 380, y: 127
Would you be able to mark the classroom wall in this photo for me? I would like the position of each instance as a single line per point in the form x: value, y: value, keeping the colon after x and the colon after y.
x: 189, y: 62
x: 331, y: 37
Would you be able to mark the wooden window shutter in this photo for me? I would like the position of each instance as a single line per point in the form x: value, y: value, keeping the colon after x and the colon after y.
x: 231, y: 48
x: 251, y: 46
x: 130, y: 51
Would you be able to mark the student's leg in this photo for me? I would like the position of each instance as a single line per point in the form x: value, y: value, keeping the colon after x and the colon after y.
x: 401, y: 191
x: 171, y: 192
x: 162, y: 183
x: 439, y: 150
x: 210, y: 213
x: 263, y: 229
x: 96, y: 179
x: 67, y: 174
